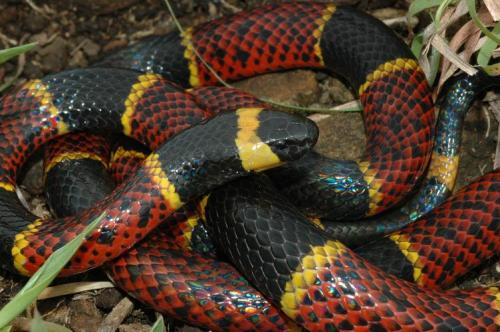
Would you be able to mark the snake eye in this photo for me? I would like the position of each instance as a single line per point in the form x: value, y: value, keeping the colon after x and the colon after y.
x: 281, y: 144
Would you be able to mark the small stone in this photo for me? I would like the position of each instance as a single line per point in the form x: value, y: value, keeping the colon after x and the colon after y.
x: 35, y: 23
x: 325, y: 98
x: 84, y: 315
x: 91, y: 48
x: 298, y: 85
x: 40, y: 38
x: 342, y: 136
x: 78, y: 60
x: 39, y: 208
x: 54, y: 55
x: 33, y: 178
x: 339, y: 93
x: 108, y: 298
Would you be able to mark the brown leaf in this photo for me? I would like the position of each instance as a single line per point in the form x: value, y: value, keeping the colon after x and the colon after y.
x: 468, y: 37
x: 494, y: 8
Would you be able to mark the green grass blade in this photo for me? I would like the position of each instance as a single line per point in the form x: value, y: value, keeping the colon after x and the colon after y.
x: 493, y: 70
x: 484, y: 55
x: 417, y: 44
x: 44, y: 276
x: 418, y: 6
x: 440, y: 11
x: 36, y: 324
x: 195, y: 50
x: 356, y: 107
x: 434, y: 59
x: 159, y: 325
x: 9, y: 53
x: 471, y: 5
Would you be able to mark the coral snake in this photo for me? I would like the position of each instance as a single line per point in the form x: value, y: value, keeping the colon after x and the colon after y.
x: 203, y: 137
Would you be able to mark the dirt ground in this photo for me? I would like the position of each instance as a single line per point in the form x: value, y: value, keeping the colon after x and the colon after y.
x: 75, y: 33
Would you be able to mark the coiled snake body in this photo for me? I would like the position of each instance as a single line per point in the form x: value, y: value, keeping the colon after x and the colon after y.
x: 313, y: 279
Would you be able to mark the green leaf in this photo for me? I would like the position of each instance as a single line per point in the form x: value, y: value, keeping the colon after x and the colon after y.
x: 440, y: 11
x: 44, y: 276
x: 434, y: 60
x: 159, y: 325
x: 471, y: 5
x: 417, y: 44
x: 493, y: 70
x: 36, y: 324
x: 9, y: 53
x: 39, y: 325
x: 484, y: 55
x: 418, y: 6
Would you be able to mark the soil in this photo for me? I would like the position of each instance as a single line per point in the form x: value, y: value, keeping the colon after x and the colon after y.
x: 75, y: 33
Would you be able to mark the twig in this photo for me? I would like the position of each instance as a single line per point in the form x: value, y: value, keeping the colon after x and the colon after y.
x: 6, y: 40
x: 488, y: 120
x: 229, y: 6
x: 116, y: 316
x: 78, y: 47
x: 45, y: 11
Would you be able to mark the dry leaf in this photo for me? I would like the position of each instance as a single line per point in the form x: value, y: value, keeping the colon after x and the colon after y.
x: 494, y: 8
x: 452, y: 14
x: 467, y: 36
x: 440, y: 44
x: 466, y: 32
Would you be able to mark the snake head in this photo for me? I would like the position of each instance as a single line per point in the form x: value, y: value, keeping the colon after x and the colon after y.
x: 267, y: 138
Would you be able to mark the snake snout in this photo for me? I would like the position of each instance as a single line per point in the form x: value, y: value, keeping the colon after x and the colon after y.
x: 289, y: 136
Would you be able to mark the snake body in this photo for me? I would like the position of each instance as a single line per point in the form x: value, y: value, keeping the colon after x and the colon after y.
x: 440, y: 178
x: 155, y: 191
x: 313, y: 279
x: 390, y: 83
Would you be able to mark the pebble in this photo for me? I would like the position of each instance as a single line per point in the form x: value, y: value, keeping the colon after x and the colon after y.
x: 91, y: 48
x: 54, y: 56
x: 33, y: 179
x: 297, y: 84
x: 108, y: 298
x: 35, y: 23
x: 78, y: 60
x: 84, y: 315
x: 40, y: 38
